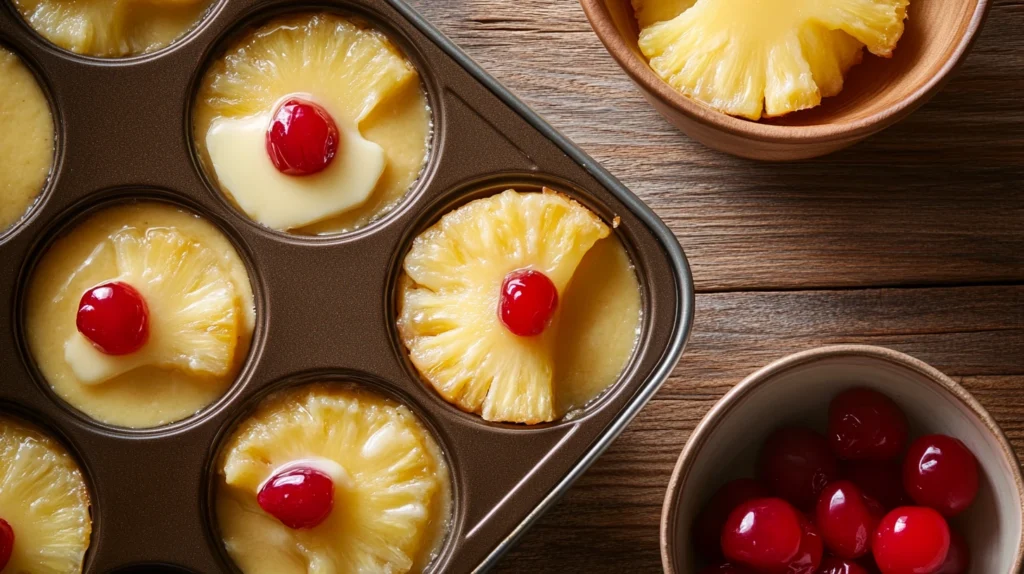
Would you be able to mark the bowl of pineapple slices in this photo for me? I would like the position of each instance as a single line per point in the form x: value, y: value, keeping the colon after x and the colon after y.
x: 785, y: 80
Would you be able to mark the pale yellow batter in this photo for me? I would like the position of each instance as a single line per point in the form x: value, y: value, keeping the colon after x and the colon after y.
x: 392, y: 488
x: 354, y: 72
x: 112, y: 28
x: 26, y: 139
x: 146, y: 396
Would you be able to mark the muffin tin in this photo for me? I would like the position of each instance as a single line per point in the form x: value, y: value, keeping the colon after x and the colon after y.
x: 325, y: 305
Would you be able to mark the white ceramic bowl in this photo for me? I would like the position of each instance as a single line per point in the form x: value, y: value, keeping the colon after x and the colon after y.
x: 796, y: 390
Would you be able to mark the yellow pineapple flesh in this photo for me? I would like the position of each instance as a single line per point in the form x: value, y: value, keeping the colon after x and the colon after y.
x: 449, y: 297
x: 112, y: 28
x: 390, y: 512
x: 193, y: 306
x: 44, y: 498
x: 750, y: 58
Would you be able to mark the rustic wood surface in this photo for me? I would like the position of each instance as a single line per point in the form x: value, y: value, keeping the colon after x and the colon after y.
x: 913, y: 240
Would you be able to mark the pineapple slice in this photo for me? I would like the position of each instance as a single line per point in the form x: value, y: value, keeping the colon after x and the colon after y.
x: 112, y: 28
x: 448, y: 315
x: 748, y: 57
x: 349, y: 69
x: 391, y: 484
x: 44, y: 498
x: 193, y: 306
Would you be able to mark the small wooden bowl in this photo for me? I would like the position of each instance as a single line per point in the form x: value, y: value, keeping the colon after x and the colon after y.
x: 878, y: 92
x: 796, y: 391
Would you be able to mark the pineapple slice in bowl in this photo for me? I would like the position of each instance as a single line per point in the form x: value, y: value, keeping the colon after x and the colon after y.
x: 140, y: 315
x: 749, y: 57
x: 487, y: 303
x: 331, y: 477
x: 45, y: 521
x: 112, y: 28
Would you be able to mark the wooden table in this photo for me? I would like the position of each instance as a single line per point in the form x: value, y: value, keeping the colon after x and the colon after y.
x: 913, y: 240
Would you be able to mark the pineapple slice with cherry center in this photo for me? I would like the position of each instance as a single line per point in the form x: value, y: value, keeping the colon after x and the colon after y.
x: 479, y: 300
x: 172, y: 306
x: 329, y: 478
x: 282, y: 113
x: 45, y: 525
x: 750, y: 58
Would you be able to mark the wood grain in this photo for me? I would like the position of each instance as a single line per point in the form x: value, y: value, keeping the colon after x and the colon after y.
x: 911, y: 240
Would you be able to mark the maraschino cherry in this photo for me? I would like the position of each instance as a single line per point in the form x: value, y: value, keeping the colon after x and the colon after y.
x: 707, y: 528
x: 796, y: 464
x: 866, y: 425
x: 299, y: 497
x: 528, y: 300
x: 911, y: 540
x: 6, y: 543
x: 114, y: 316
x: 846, y: 520
x: 941, y: 473
x: 302, y: 138
x: 764, y: 534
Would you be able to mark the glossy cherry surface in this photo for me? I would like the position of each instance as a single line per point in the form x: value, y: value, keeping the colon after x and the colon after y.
x: 833, y: 565
x: 796, y: 463
x: 302, y: 138
x: 726, y: 568
x: 941, y: 473
x: 707, y: 528
x: 528, y: 300
x: 299, y: 497
x: 764, y: 533
x: 808, y: 557
x: 866, y: 425
x: 882, y: 481
x: 958, y: 559
x: 6, y: 543
x: 911, y: 540
x: 846, y: 521
x: 114, y: 316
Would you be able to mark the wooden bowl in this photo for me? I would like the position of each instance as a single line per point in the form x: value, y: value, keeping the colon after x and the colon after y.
x: 796, y: 391
x: 878, y: 92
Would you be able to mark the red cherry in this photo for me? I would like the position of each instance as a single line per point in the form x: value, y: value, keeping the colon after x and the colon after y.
x: 726, y: 568
x: 866, y: 425
x: 299, y: 498
x: 846, y: 519
x: 882, y: 481
x: 114, y: 316
x: 6, y: 543
x: 808, y: 557
x: 707, y: 528
x: 764, y: 533
x: 833, y: 565
x: 302, y: 138
x: 911, y: 540
x: 941, y: 472
x: 958, y: 559
x: 796, y: 463
x: 528, y: 300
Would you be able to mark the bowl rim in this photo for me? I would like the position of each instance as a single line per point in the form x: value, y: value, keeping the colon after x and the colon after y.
x: 728, y: 402
x: 642, y: 74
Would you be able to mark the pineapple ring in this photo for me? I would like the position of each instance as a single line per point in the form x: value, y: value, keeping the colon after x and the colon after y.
x: 112, y: 29
x: 449, y: 295
x: 390, y: 512
x: 748, y: 57
x: 44, y: 498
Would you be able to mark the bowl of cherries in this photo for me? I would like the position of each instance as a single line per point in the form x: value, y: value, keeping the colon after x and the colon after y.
x: 845, y: 460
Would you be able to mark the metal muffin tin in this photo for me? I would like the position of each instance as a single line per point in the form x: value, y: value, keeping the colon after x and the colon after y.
x: 325, y: 305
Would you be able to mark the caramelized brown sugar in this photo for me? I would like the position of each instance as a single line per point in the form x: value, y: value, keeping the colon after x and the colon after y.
x: 392, y: 490
x: 201, y: 314
x: 354, y: 72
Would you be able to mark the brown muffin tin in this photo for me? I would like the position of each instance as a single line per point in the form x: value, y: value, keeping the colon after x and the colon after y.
x: 325, y: 305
